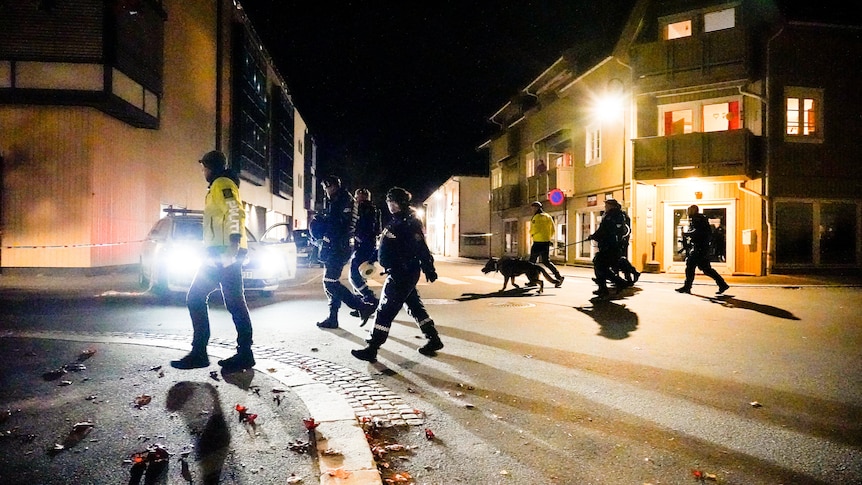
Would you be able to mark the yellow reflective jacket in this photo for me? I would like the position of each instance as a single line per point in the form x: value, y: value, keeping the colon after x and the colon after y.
x: 224, y: 214
x: 542, y: 227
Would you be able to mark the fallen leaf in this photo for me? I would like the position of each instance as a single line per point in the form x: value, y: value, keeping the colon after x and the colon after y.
x: 331, y: 452
x: 310, y: 424
x: 143, y: 400
x: 339, y: 473
x: 293, y: 479
x: 755, y: 404
x: 429, y: 435
x: 272, y: 370
x: 65, y: 383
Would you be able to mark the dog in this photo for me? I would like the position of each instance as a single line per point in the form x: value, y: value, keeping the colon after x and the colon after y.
x: 512, y: 267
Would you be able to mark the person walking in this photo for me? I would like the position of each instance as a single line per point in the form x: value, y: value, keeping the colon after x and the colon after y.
x: 226, y: 246
x: 696, y: 240
x: 625, y: 266
x: 542, y: 230
x: 334, y: 228
x: 404, y: 254
x: 364, y: 244
x: 607, y: 238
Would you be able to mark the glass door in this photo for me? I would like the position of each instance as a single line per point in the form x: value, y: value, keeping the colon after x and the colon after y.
x: 721, y: 219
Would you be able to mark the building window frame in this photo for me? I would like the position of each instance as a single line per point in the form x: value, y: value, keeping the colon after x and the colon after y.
x: 803, y: 126
x: 593, y: 143
x: 697, y: 114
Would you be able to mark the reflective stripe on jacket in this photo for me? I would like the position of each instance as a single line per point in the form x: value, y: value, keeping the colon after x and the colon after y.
x: 224, y: 214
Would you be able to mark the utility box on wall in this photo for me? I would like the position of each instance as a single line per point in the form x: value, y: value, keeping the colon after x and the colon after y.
x: 749, y: 238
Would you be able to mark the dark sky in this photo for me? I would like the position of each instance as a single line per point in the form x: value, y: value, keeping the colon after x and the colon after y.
x: 399, y: 93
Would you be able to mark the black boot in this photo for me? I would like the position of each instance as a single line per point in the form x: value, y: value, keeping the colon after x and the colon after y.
x: 243, y: 359
x: 368, y: 354
x: 434, y: 343
x: 196, y: 359
x: 331, y: 321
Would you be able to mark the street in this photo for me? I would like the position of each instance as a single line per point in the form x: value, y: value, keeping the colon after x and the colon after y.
x: 760, y: 386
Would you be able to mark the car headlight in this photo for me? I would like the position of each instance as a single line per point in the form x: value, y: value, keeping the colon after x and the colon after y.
x: 182, y: 260
x: 269, y: 261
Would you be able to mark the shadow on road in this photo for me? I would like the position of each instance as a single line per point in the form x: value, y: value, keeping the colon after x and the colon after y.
x: 615, y: 321
x: 731, y: 302
x: 188, y: 399
x: 515, y: 292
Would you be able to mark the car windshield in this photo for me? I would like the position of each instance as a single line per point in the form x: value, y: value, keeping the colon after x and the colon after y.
x: 186, y: 230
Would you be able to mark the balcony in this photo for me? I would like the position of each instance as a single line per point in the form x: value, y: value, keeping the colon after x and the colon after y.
x: 708, y: 58
x: 719, y: 153
x: 505, y: 197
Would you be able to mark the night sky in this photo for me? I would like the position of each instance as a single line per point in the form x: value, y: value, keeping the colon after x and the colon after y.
x: 399, y: 93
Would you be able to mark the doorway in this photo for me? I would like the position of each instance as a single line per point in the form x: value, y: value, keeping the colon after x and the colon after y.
x: 722, y: 218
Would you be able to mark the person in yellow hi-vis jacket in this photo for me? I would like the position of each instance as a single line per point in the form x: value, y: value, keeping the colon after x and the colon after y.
x: 226, y: 246
x: 542, y: 230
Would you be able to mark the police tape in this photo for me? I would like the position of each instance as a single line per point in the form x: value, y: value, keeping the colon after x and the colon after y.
x: 62, y: 246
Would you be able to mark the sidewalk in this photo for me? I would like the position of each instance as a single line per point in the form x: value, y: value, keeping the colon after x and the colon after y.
x: 83, y: 408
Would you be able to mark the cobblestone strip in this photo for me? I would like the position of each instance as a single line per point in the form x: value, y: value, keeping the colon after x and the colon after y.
x: 368, y: 398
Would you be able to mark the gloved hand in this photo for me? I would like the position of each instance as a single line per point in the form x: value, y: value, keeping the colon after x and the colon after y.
x: 430, y: 275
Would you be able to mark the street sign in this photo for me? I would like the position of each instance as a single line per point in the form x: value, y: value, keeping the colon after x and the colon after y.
x: 556, y: 197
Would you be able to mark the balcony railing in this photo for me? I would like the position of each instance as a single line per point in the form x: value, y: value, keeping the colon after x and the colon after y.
x: 713, y: 154
x: 707, y: 58
x: 538, y: 185
x: 505, y: 197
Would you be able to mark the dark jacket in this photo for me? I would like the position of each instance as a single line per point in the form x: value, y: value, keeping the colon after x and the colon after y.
x: 367, y: 227
x: 610, y: 231
x: 337, y: 225
x: 698, y: 234
x: 402, y: 244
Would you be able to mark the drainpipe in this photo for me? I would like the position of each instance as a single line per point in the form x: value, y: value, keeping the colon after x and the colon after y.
x: 219, y: 75
x: 770, y: 238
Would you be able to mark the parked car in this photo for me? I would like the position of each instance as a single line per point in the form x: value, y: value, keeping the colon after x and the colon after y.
x: 307, y: 251
x: 174, y: 249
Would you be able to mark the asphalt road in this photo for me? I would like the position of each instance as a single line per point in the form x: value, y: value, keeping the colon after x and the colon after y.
x: 762, y: 386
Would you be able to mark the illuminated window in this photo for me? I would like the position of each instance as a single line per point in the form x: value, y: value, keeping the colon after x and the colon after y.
x: 804, y: 108
x: 679, y: 29
x: 594, y: 145
x: 720, y: 20
x: 496, y: 178
x: 721, y: 116
x: 678, y: 122
x: 530, y: 164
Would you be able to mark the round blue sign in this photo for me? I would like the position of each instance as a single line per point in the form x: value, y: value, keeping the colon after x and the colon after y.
x: 556, y: 197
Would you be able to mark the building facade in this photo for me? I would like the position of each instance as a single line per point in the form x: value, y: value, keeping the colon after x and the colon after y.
x: 105, y: 108
x: 743, y: 110
x: 457, y: 218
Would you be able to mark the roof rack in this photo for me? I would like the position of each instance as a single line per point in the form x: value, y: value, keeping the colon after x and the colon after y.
x: 180, y: 211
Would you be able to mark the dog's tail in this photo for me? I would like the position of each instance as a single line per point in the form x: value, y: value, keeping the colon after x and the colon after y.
x: 547, y: 275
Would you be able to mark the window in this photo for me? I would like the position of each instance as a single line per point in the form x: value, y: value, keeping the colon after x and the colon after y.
x: 721, y: 116
x: 677, y: 30
x: 594, y: 145
x: 719, y: 20
x: 707, y: 115
x: 678, y: 122
x: 530, y: 164
x: 560, y: 159
x: 511, y: 237
x: 816, y: 232
x: 496, y: 178
x: 804, y: 108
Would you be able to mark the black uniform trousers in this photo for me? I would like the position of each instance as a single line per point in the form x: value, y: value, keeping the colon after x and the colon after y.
x: 207, y: 280
x: 700, y: 260
x: 357, y: 279
x: 542, y: 251
x: 335, y: 290
x: 399, y: 289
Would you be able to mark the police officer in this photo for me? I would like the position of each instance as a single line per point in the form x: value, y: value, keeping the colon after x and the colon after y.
x: 364, y: 243
x: 607, y: 238
x: 696, y: 241
x: 334, y: 228
x: 624, y: 265
x: 404, y: 254
x: 226, y: 248
x: 542, y: 230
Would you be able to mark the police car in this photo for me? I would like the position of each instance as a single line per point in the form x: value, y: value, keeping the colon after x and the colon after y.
x: 174, y: 249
